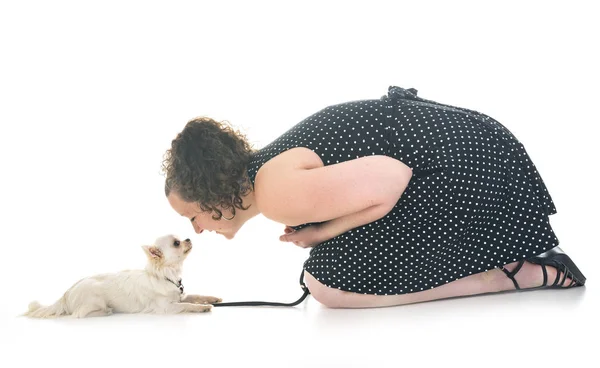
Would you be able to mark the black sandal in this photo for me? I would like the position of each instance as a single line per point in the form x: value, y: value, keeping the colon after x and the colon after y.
x: 556, y: 258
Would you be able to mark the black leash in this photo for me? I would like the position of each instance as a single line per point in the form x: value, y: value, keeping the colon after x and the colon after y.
x: 239, y: 304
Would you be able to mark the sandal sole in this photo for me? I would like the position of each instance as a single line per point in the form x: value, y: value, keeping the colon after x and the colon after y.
x: 557, y: 255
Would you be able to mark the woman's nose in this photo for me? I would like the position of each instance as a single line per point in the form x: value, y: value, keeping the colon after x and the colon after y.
x: 196, y: 228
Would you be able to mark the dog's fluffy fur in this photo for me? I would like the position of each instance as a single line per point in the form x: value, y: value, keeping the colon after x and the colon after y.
x: 132, y: 291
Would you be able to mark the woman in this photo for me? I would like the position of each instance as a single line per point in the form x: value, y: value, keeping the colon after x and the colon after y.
x: 401, y: 199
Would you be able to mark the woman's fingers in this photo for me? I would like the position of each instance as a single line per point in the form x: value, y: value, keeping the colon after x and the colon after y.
x: 288, y: 230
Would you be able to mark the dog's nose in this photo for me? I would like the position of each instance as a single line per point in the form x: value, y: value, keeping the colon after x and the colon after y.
x: 187, y: 240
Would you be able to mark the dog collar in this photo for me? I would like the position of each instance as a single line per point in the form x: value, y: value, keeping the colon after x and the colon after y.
x: 178, y: 284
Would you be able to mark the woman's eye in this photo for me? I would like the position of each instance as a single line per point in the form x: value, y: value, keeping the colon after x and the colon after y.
x: 193, y: 218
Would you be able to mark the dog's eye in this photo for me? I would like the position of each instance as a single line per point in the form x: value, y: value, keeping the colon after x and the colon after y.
x: 176, y: 243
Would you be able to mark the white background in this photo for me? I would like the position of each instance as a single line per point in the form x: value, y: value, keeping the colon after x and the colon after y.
x: 92, y: 93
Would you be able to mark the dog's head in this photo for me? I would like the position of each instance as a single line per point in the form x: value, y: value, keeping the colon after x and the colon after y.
x: 168, y: 251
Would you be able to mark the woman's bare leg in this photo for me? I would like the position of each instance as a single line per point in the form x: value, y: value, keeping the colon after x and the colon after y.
x: 530, y: 275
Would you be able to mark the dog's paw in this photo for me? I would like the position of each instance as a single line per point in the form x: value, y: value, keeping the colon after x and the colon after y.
x: 201, y: 308
x: 213, y: 300
x: 202, y: 299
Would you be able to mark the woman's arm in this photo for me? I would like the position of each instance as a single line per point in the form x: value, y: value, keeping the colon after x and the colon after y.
x: 296, y: 188
x: 318, y: 233
x: 340, y: 225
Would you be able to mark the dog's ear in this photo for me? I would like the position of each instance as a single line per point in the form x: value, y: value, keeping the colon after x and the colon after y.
x: 152, y: 252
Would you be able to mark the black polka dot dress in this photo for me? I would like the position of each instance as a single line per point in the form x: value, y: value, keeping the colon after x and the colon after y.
x: 475, y: 201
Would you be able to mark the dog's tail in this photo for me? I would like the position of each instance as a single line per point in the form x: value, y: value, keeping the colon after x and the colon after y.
x: 36, y: 310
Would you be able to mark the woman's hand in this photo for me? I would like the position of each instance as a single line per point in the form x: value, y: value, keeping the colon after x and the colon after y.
x: 306, y: 237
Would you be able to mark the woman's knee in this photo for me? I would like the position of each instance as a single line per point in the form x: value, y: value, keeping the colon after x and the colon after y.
x: 329, y: 297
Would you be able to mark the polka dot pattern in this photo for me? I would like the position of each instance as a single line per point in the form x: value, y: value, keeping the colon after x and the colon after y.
x: 475, y: 201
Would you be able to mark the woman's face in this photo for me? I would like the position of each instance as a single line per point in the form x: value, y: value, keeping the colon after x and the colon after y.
x: 203, y: 221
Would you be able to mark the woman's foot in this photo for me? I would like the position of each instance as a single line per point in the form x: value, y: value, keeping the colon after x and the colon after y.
x: 531, y: 275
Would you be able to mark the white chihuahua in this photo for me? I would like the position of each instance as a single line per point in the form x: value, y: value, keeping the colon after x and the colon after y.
x: 156, y: 289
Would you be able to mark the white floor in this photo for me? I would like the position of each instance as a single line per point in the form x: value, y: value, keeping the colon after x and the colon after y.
x: 549, y: 328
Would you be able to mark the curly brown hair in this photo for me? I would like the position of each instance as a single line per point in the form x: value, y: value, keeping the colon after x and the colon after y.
x: 207, y: 164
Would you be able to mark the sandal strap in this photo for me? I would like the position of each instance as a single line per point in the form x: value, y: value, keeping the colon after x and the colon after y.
x: 555, y: 283
x: 567, y: 272
x: 511, y: 274
x: 572, y: 283
x: 544, y: 284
